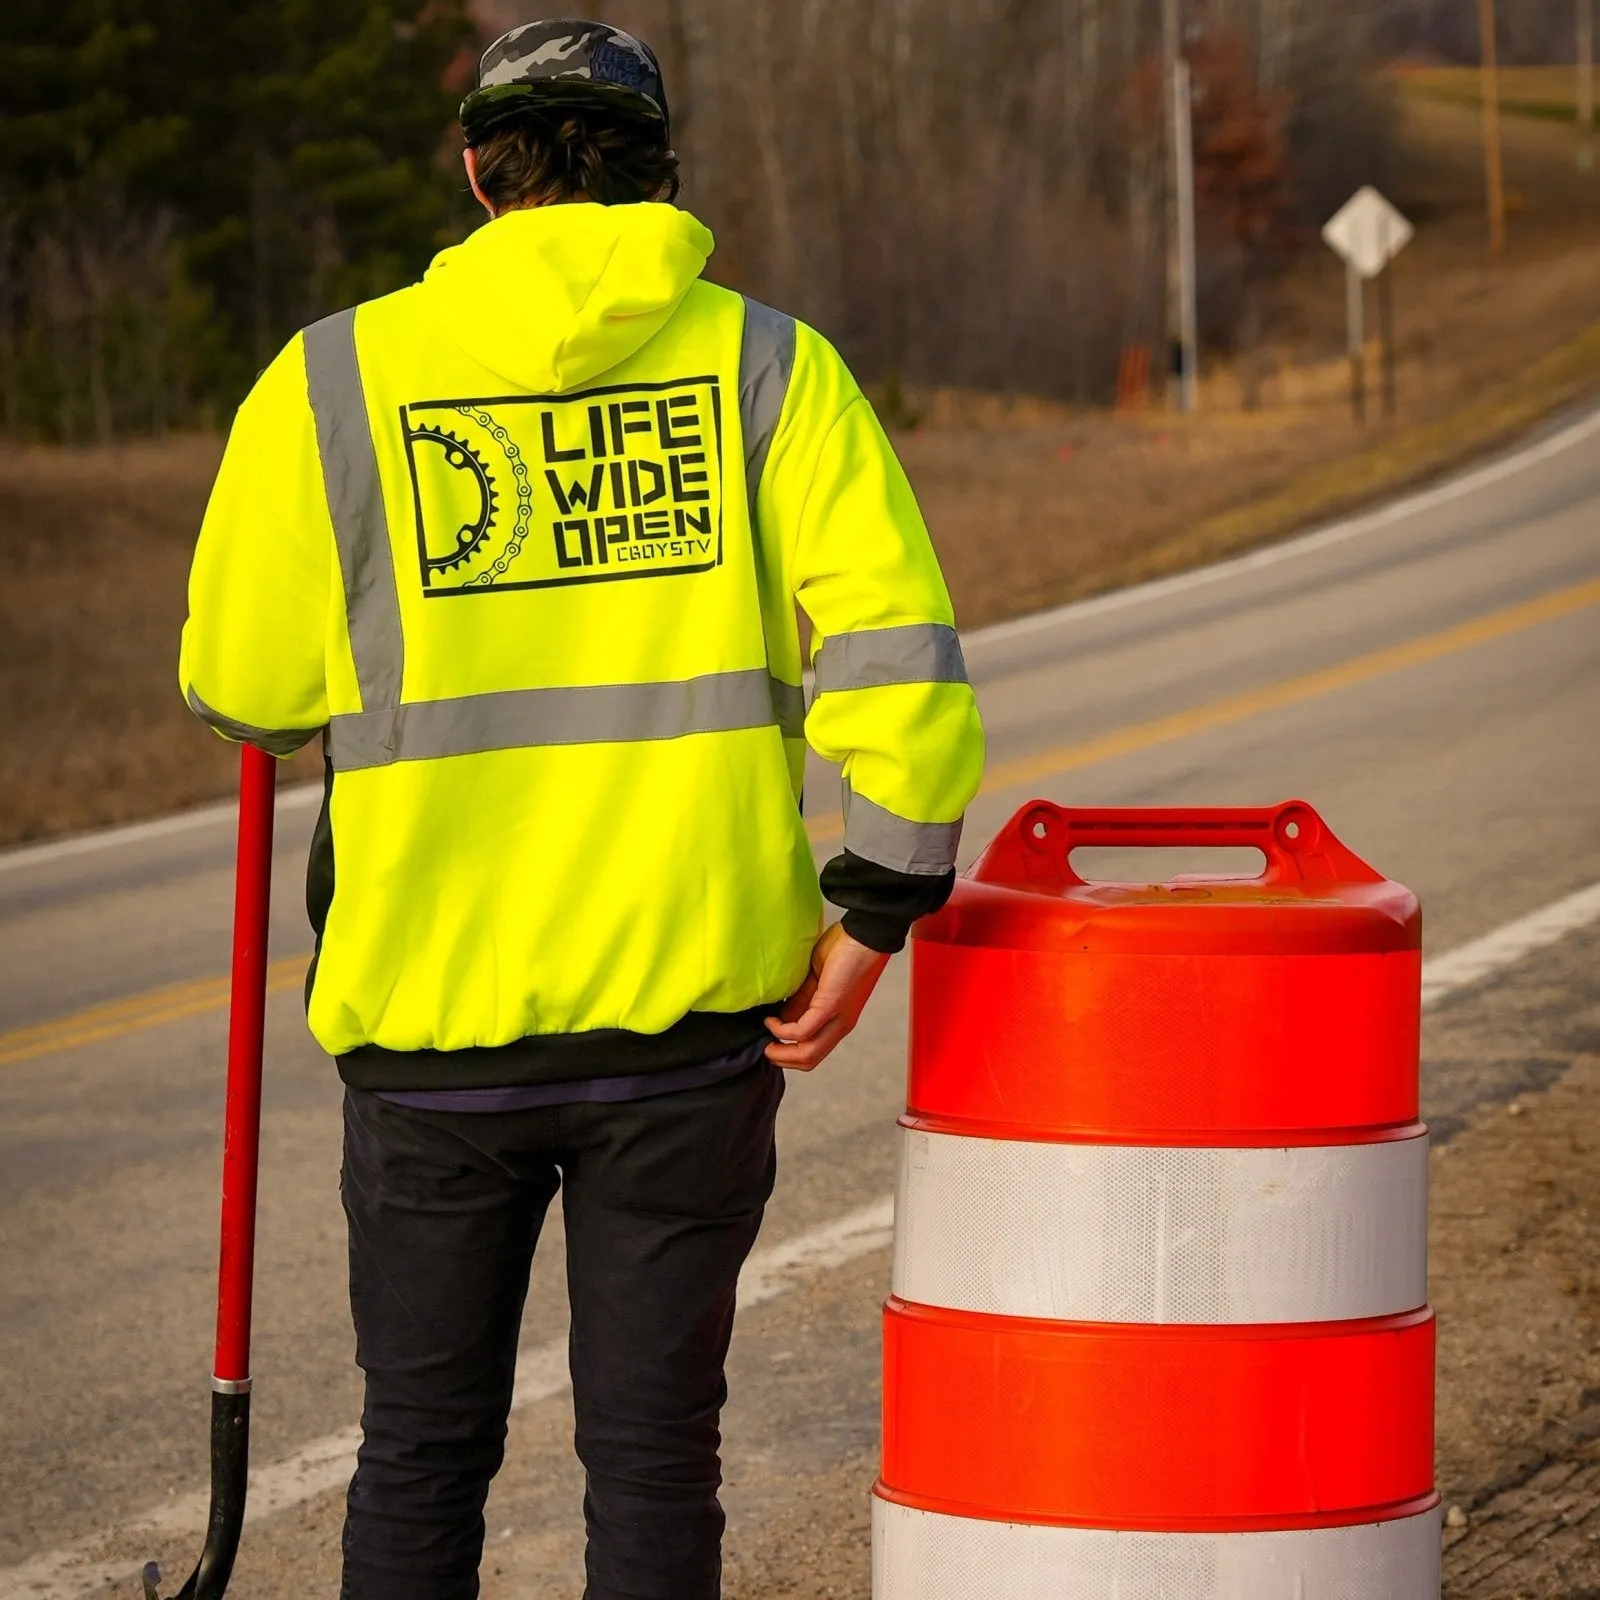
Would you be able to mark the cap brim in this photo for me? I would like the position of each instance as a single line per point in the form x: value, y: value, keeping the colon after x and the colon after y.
x: 486, y: 109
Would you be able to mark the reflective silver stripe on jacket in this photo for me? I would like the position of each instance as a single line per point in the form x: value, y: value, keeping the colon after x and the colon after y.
x: 766, y: 365
x: 275, y: 741
x: 387, y: 730
x: 920, y: 652
x: 874, y: 833
x: 355, y: 503
x: 516, y: 719
x: 789, y: 707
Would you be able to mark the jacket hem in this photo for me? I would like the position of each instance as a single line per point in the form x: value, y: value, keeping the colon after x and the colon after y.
x: 558, y: 1057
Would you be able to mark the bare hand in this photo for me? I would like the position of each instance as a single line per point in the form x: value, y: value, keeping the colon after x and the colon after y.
x: 828, y: 1004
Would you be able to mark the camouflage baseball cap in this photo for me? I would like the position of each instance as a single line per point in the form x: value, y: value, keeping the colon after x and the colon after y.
x: 564, y: 62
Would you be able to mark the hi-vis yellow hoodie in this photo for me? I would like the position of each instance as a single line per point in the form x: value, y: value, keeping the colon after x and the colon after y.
x: 523, y: 544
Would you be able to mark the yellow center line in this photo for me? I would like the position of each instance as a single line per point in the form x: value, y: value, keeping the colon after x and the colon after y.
x: 118, y: 1018
x: 96, y: 1024
x: 1272, y: 697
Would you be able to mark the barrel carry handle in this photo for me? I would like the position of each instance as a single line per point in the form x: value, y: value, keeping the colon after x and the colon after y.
x: 1034, y: 849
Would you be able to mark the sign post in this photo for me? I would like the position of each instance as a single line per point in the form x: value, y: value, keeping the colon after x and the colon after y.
x: 1356, y: 339
x: 1368, y: 233
x: 1585, y: 85
x: 1386, y: 331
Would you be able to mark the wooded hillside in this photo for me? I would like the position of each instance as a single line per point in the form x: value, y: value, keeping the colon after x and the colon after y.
x: 965, y: 195
x: 183, y: 183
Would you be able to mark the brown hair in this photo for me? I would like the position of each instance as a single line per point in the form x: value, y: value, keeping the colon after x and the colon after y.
x: 554, y: 154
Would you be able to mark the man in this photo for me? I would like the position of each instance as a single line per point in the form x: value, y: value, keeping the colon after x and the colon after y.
x: 523, y: 543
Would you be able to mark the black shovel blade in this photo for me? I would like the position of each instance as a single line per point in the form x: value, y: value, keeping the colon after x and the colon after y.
x: 230, y: 1471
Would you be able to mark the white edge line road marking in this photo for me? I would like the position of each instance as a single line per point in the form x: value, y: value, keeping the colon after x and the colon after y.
x: 326, y: 1464
x: 1469, y: 962
x: 997, y: 633
x: 83, y: 844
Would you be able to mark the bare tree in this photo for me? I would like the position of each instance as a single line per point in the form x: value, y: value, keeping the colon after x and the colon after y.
x: 97, y: 245
x: 960, y: 192
x: 13, y: 293
x: 964, y: 193
x: 153, y: 267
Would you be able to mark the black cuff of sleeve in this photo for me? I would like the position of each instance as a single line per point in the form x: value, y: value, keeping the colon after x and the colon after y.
x: 887, y: 935
x: 879, y: 903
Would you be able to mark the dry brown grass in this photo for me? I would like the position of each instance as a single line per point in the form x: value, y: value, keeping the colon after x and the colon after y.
x: 1030, y: 503
x: 1550, y: 92
x: 95, y: 549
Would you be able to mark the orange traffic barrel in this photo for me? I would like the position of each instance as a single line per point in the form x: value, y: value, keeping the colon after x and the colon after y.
x: 1159, y: 1324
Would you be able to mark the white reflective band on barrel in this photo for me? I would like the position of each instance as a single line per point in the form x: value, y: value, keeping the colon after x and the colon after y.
x: 921, y: 1555
x: 1122, y: 1233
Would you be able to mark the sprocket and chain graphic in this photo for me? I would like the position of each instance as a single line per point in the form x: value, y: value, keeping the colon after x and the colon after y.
x: 519, y: 471
x: 470, y: 536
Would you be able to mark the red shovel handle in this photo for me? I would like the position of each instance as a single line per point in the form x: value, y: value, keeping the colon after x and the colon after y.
x: 241, y: 1149
x: 246, y: 1023
x: 1035, y: 848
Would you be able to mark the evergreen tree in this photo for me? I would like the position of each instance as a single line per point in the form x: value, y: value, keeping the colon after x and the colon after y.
x: 183, y: 184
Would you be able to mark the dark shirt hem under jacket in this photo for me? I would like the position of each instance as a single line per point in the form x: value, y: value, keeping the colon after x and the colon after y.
x: 700, y: 1037
x: 582, y: 1091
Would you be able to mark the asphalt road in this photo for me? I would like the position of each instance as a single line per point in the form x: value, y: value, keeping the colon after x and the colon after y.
x: 1429, y: 678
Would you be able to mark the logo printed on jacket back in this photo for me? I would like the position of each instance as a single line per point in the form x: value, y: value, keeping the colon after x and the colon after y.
x: 537, y: 491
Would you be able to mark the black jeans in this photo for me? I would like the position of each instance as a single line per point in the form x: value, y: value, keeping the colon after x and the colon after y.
x: 662, y: 1200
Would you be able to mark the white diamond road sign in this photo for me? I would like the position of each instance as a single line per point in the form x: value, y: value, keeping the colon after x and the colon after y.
x: 1368, y: 232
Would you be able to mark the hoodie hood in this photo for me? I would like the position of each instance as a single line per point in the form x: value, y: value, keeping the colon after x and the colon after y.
x: 550, y: 297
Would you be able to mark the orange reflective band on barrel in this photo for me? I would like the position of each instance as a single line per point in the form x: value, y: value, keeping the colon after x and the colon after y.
x: 1110, y: 1046
x: 1129, y: 1426
x: 1216, y: 1012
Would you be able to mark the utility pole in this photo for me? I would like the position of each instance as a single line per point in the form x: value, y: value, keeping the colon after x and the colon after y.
x: 1188, y: 318
x: 1585, y: 95
x: 1181, y: 344
x: 1494, y: 175
x: 1080, y: 61
x: 1173, y: 314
